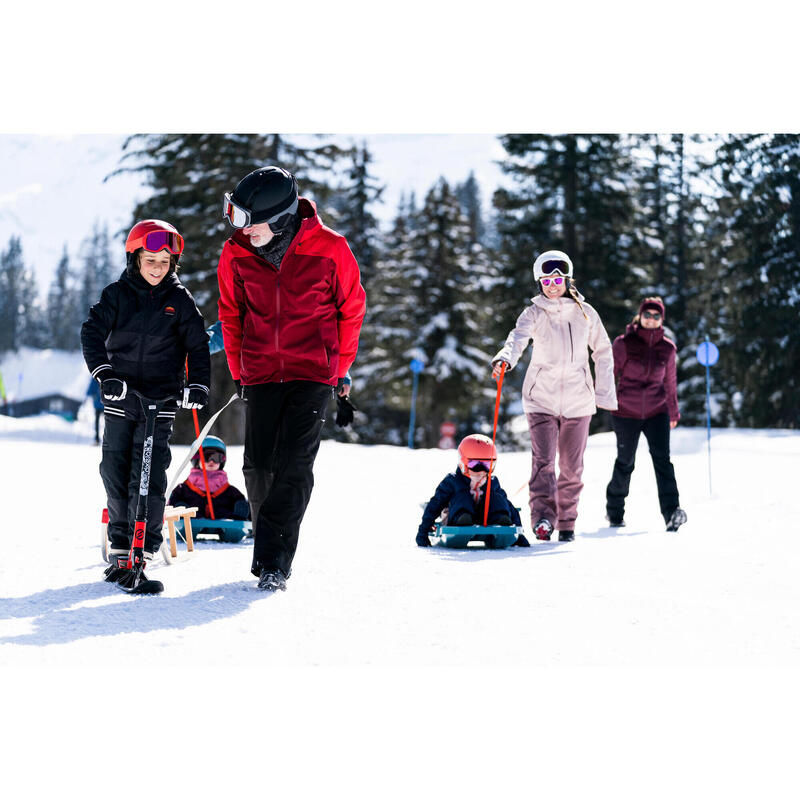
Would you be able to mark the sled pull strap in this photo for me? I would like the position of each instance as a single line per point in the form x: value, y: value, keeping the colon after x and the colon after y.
x: 494, y: 436
x: 195, y: 446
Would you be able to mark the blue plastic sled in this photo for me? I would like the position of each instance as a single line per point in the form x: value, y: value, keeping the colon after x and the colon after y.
x: 228, y: 530
x: 494, y: 537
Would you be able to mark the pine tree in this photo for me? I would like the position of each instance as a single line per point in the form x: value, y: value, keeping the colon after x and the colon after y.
x: 674, y: 216
x: 353, y: 218
x: 760, y: 174
x: 97, y: 270
x: 62, y: 308
x: 21, y: 317
x: 451, y: 281
x: 387, y: 343
x: 469, y: 196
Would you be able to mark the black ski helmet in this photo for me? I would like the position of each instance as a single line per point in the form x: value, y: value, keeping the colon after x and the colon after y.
x: 268, y: 194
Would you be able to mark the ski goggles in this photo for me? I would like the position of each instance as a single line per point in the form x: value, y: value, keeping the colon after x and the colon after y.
x: 555, y: 265
x: 547, y: 281
x: 239, y: 217
x: 217, y: 458
x: 651, y: 314
x: 155, y: 241
x: 479, y: 464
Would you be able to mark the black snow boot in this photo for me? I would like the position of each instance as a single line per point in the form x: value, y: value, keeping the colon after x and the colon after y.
x: 566, y: 536
x: 543, y: 528
x: 118, y: 565
x: 272, y: 580
x: 676, y: 519
x: 502, y: 519
x: 615, y: 521
x: 464, y: 518
x: 132, y: 581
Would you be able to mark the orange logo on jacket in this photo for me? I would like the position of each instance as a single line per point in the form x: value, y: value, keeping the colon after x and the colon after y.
x: 169, y: 310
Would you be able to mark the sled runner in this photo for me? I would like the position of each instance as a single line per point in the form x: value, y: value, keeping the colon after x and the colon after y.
x: 493, y: 537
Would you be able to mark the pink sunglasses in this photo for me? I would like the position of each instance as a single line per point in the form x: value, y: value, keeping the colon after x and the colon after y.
x: 547, y: 281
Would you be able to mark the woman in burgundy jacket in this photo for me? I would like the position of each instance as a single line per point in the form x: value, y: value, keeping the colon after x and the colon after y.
x: 647, y: 398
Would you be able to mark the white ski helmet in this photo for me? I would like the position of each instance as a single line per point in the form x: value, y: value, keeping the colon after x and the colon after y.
x: 552, y: 261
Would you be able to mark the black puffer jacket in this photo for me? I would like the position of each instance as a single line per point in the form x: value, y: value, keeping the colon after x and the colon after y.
x: 144, y: 334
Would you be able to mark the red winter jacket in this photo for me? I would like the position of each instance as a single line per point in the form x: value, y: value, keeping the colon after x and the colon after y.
x: 298, y: 323
x: 644, y: 367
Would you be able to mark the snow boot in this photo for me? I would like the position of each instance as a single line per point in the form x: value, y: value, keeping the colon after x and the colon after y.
x: 464, y: 518
x: 543, y: 528
x: 272, y: 580
x: 502, y: 519
x: 676, y: 519
x: 615, y: 522
x: 132, y: 581
x: 118, y: 565
x: 566, y: 536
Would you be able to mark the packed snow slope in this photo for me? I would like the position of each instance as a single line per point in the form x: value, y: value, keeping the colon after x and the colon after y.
x: 721, y: 592
x: 630, y: 663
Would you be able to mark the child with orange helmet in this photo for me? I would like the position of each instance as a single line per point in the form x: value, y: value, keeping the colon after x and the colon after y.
x: 463, y: 492
x: 142, y: 337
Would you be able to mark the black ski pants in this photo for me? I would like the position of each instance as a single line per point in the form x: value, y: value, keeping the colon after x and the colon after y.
x: 121, y: 468
x: 656, y: 430
x: 283, y: 425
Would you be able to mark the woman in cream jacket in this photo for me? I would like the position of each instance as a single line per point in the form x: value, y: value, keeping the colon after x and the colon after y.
x: 558, y: 395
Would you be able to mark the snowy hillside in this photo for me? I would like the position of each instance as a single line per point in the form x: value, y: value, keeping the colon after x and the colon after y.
x: 621, y: 614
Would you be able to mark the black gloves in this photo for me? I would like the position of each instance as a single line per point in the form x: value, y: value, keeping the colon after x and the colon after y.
x: 113, y: 388
x: 239, y: 389
x: 423, y: 540
x: 195, y: 396
x: 344, y: 410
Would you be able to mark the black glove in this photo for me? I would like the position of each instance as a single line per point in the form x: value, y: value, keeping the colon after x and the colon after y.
x: 239, y: 389
x: 423, y: 540
x: 113, y: 388
x: 344, y: 411
x: 241, y: 509
x: 522, y: 541
x: 195, y: 396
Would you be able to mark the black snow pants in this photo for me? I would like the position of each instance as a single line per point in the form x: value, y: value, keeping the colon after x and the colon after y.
x: 120, y: 469
x: 283, y: 428
x: 656, y: 430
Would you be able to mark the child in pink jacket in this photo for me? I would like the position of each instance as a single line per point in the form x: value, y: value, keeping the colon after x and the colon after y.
x: 558, y: 394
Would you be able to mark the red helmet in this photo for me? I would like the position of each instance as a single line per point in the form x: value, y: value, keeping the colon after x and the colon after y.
x: 477, y: 449
x: 154, y: 235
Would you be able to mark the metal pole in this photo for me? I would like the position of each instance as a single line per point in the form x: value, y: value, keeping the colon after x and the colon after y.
x: 708, y: 414
x: 413, y: 411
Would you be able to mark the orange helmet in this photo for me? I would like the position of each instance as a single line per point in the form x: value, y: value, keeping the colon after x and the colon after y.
x: 154, y: 235
x: 477, y: 453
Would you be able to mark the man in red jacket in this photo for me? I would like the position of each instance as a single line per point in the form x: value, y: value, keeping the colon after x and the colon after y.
x: 291, y: 306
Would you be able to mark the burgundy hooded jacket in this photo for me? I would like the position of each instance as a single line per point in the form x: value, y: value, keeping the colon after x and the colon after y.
x: 645, y: 372
x: 299, y: 322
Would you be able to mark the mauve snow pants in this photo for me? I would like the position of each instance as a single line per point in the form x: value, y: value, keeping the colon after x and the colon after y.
x: 557, y: 499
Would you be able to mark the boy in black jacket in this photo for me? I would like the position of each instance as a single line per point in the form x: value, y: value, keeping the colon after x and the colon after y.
x: 139, y: 336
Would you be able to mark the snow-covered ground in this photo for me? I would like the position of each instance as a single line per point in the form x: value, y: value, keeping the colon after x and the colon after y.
x: 669, y: 639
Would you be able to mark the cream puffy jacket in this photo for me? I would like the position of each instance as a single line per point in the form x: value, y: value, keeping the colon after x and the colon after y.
x: 558, y: 380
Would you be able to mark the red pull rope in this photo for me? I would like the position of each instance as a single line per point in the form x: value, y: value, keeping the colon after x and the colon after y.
x: 200, y: 450
x: 494, y: 436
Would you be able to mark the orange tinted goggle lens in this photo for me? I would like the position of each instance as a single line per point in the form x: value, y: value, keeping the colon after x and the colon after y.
x: 237, y: 216
x: 158, y: 240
